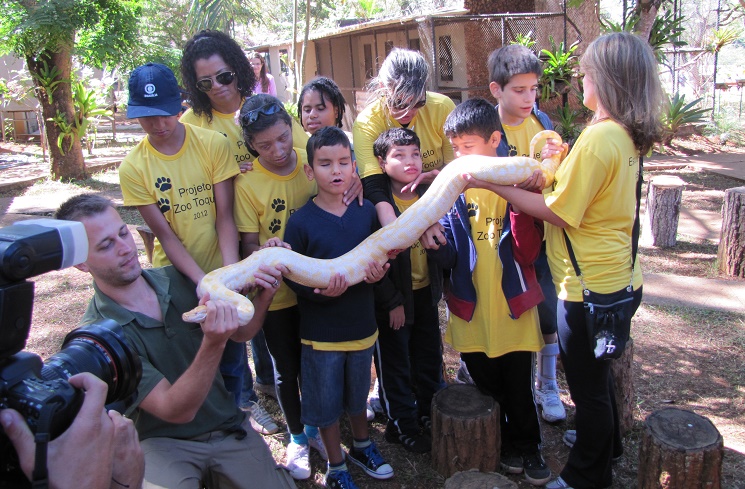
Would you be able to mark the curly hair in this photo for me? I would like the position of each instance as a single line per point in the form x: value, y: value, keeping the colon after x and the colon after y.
x: 329, y: 91
x: 203, y: 45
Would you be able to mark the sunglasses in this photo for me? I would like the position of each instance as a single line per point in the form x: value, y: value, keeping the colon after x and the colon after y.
x: 224, y: 78
x: 401, y: 105
x: 250, y: 117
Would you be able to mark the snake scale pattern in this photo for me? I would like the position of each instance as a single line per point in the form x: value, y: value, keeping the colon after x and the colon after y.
x: 399, y: 235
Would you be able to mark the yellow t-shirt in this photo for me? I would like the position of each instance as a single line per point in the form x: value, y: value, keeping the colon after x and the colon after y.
x: 595, y: 193
x: 518, y: 137
x: 419, y: 268
x: 491, y: 330
x: 225, y: 123
x: 264, y: 202
x: 354, y: 345
x: 427, y: 124
x: 181, y: 186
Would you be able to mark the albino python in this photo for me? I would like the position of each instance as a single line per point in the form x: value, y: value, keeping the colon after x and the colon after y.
x: 399, y: 235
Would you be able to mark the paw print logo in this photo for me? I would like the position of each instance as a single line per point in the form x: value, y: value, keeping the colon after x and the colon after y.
x: 163, y: 184
x: 472, y: 208
x: 275, y: 225
x: 278, y: 205
x: 513, y: 150
x: 164, y: 205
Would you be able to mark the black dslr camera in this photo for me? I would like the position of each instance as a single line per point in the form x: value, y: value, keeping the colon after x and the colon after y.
x: 40, y: 391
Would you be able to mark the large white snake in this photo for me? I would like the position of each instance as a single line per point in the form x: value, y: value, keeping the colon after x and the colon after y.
x: 399, y: 235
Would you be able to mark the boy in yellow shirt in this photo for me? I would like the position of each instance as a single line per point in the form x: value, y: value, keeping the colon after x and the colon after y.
x: 493, y: 292
x: 514, y: 72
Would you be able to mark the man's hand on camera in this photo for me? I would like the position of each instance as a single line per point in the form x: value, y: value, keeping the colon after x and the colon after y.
x: 129, y: 461
x: 82, y: 456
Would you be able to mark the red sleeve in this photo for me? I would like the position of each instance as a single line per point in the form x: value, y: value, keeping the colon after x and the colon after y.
x: 527, y: 235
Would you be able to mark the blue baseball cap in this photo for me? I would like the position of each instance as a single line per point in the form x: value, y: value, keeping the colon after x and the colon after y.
x: 153, y: 91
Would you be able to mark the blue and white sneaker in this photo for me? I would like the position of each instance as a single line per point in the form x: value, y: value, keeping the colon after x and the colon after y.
x: 371, y: 461
x: 340, y: 479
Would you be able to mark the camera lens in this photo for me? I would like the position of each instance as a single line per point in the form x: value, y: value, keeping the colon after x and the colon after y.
x: 101, y: 349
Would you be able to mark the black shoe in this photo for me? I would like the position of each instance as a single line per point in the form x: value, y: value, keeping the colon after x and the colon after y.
x: 511, y: 463
x: 371, y: 461
x: 412, y: 442
x: 536, y: 470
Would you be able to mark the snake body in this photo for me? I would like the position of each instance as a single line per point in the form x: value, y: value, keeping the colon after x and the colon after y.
x: 400, y: 234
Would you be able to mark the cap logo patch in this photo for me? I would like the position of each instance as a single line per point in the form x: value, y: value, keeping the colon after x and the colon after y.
x: 150, y: 90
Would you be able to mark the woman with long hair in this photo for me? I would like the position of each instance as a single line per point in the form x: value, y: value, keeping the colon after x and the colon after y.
x: 593, y: 201
x: 264, y: 81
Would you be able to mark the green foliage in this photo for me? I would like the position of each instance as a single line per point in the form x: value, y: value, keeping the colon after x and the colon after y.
x: 368, y: 9
x: 724, y: 37
x: 727, y: 126
x: 680, y: 114
x: 48, y: 79
x: 568, y: 123
x: 666, y: 30
x: 291, y: 109
x: 525, y: 40
x: 559, y: 68
x: 66, y: 131
x: 88, y: 108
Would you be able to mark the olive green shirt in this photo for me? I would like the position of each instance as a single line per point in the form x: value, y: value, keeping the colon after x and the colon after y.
x: 167, y: 349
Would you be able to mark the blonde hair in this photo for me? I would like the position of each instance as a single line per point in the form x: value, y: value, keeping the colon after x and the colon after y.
x: 624, y: 72
x: 402, y: 77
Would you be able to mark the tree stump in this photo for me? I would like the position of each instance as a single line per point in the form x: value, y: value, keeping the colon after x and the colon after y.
x: 679, y: 450
x: 148, y: 238
x: 473, y: 479
x: 623, y: 384
x: 663, y: 211
x: 731, y: 253
x: 465, y: 430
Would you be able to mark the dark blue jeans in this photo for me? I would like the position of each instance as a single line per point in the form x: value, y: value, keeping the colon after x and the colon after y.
x: 232, y: 367
x: 591, y: 388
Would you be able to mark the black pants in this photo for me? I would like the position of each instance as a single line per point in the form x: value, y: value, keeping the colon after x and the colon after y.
x: 408, y: 362
x: 591, y: 388
x: 509, y: 380
x: 282, y: 332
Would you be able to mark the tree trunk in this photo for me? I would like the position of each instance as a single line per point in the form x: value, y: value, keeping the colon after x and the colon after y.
x: 623, y: 384
x: 679, y: 450
x: 473, y: 479
x: 67, y: 163
x: 300, y: 76
x: 465, y: 430
x: 731, y: 254
x: 647, y: 12
x: 664, y: 195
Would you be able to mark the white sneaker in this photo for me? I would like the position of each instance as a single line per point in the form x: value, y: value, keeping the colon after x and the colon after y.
x: 373, y: 401
x: 261, y: 421
x: 553, y: 408
x: 370, y: 412
x: 298, y: 461
x: 316, y: 442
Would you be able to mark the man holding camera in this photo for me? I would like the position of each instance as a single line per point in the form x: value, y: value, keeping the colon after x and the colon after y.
x: 190, y: 429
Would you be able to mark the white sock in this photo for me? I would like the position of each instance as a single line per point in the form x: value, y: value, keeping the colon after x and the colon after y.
x: 547, y: 366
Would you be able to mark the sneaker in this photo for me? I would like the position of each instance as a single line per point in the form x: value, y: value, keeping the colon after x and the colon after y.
x: 558, y: 483
x: 552, y: 408
x: 316, y: 443
x: 412, y: 442
x: 340, y: 479
x: 261, y: 421
x: 373, y: 400
x: 370, y: 412
x: 535, y: 468
x: 371, y: 461
x: 511, y: 463
x: 298, y: 460
x: 266, y: 389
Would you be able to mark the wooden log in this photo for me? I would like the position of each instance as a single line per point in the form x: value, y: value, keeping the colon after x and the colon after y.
x: 664, y: 195
x: 731, y: 253
x: 465, y: 430
x: 473, y: 479
x: 623, y: 382
x: 679, y: 450
x: 148, y: 239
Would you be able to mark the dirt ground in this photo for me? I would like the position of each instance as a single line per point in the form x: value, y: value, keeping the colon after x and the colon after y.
x: 689, y: 358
